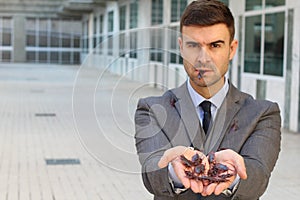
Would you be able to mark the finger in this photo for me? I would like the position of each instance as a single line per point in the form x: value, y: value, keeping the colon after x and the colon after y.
x: 209, y: 189
x: 221, y: 187
x: 241, y: 168
x: 170, y: 155
x: 196, y: 186
x: 236, y: 159
x: 179, y: 170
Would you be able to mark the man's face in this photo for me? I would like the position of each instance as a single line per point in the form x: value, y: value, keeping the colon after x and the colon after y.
x: 206, y: 52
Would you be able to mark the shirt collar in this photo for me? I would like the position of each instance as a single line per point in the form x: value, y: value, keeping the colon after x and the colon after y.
x: 216, y: 100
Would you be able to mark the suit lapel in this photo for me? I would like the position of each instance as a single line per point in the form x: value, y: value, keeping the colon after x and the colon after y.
x: 187, y: 112
x: 224, y: 119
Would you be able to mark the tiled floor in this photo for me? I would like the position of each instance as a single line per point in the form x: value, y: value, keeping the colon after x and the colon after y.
x: 65, y: 112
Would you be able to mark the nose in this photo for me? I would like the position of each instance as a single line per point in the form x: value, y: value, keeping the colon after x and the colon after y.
x: 203, y: 56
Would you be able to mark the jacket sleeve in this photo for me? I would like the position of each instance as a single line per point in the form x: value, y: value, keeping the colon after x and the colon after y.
x: 260, y: 153
x: 151, y: 143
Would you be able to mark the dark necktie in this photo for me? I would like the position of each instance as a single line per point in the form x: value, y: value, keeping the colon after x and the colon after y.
x: 207, y: 115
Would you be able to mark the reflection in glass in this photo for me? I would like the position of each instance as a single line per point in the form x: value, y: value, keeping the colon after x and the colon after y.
x: 6, y: 31
x: 111, y: 21
x: 43, y: 30
x: 133, y: 45
x: 226, y: 2
x: 157, y: 12
x: 177, y: 8
x: 253, y: 4
x: 122, y: 18
x: 252, y: 44
x: 273, y: 3
x: 133, y: 15
x: 274, y: 43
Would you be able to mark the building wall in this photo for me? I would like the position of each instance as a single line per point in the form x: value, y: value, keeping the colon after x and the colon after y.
x: 33, y: 31
x: 142, y: 45
x: 274, y: 77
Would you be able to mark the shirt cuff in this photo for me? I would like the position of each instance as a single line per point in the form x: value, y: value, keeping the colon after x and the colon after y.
x: 174, y: 181
x: 233, y: 187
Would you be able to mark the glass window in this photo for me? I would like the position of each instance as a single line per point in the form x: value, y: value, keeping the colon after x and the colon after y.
x: 76, y: 58
x: 133, y: 15
x: 6, y: 56
x: 274, y: 43
x: 30, y: 39
x: 133, y: 45
x: 156, y: 45
x: 66, y: 41
x: 6, y: 31
x: 54, y: 58
x: 110, y: 45
x: 274, y: 3
x: 55, y: 33
x: 177, y: 8
x: 95, y: 26
x: 111, y: 21
x: 66, y: 57
x: 252, y: 44
x: 43, y: 42
x: 76, y: 41
x: 122, y: 18
x: 101, y: 24
x: 43, y: 57
x: 253, y: 4
x: 42, y: 39
x: 30, y: 32
x: 30, y: 56
x: 157, y: 12
x: 226, y: 2
x: 122, y: 49
x: 175, y: 56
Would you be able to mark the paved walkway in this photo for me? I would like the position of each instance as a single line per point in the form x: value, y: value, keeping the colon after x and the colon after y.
x: 67, y: 134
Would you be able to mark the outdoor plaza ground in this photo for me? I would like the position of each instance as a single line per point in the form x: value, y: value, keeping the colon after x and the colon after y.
x: 66, y: 133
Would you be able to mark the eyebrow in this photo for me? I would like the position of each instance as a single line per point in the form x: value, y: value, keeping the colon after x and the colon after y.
x: 214, y: 42
x: 218, y: 41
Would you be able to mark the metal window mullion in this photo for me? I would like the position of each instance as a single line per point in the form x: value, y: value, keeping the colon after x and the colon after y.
x: 49, y: 40
x: 1, y: 44
x: 286, y: 32
x: 37, y: 36
x: 243, y: 44
x: 60, y: 40
x: 262, y: 49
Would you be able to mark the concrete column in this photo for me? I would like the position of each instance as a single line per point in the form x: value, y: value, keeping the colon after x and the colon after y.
x: 91, y: 32
x: 19, y: 39
x: 237, y: 8
x: 295, y: 73
x: 143, y: 42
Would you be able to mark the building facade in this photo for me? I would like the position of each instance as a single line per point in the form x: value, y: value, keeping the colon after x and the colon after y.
x: 39, y: 31
x: 138, y: 39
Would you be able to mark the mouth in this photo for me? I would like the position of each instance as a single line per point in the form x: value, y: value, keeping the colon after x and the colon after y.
x: 202, y: 71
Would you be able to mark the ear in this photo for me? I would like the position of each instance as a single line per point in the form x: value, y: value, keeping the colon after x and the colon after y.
x: 233, y: 48
x: 180, y: 42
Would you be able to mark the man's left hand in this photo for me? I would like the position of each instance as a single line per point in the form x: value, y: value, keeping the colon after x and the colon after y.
x: 236, y: 165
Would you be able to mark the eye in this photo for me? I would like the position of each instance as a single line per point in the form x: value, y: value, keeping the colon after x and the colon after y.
x: 192, y: 45
x: 215, y: 45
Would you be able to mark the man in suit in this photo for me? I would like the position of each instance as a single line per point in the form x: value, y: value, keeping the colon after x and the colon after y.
x: 244, y: 132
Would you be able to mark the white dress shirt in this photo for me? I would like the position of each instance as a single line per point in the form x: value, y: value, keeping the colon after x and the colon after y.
x: 216, y: 100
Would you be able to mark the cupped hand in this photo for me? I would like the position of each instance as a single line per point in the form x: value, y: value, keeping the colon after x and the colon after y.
x: 236, y: 165
x: 173, y: 156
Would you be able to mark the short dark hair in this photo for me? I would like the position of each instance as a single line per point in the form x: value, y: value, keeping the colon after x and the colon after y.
x: 208, y: 13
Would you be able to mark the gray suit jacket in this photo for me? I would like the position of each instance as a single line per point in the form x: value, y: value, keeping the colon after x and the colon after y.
x: 247, y: 126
